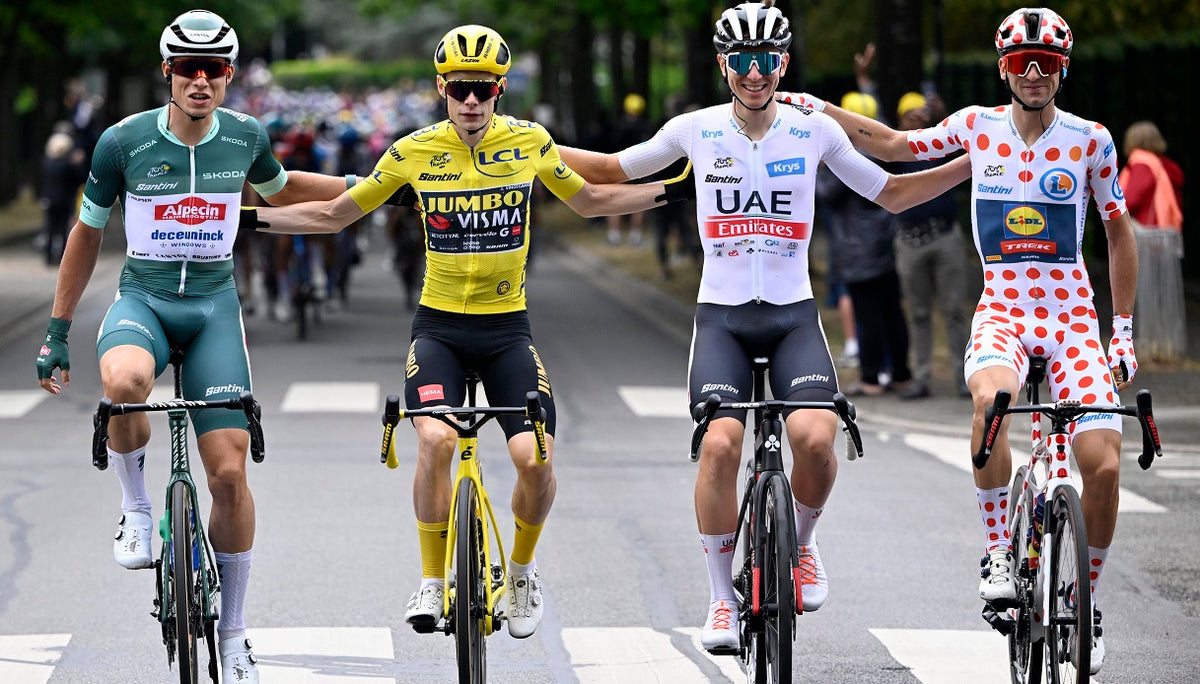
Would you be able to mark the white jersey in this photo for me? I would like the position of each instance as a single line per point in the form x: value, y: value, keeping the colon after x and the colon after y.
x: 1028, y: 205
x: 754, y: 199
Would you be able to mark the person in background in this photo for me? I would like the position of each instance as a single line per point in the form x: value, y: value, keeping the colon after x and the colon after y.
x: 931, y: 260
x: 630, y: 130
x: 64, y: 168
x: 1152, y: 181
x: 861, y: 237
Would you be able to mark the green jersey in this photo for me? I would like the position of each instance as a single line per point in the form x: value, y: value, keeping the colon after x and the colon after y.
x: 181, y: 202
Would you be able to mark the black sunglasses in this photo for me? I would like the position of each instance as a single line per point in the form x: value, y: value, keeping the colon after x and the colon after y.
x: 193, y: 67
x: 483, y: 90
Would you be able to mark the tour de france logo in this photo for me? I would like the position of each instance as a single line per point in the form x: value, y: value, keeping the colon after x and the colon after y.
x: 1059, y: 184
x: 1025, y: 220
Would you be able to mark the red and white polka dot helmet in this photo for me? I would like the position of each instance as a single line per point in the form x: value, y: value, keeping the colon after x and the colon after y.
x: 1034, y: 26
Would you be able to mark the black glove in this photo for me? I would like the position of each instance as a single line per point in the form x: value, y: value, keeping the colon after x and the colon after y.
x: 679, y: 188
x: 248, y: 220
x: 405, y: 196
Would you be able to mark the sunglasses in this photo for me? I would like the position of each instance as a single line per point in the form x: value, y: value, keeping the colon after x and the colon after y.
x: 195, y: 67
x: 482, y: 90
x: 1022, y: 61
x: 767, y: 62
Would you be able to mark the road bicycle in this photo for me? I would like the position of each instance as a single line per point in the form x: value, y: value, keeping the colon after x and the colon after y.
x: 186, y: 578
x: 768, y: 584
x: 1050, y: 622
x: 473, y: 583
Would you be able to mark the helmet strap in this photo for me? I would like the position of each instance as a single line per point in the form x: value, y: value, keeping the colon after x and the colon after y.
x: 732, y: 92
x: 1022, y: 102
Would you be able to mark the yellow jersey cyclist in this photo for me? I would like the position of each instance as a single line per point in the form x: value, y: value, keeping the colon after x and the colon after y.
x: 473, y: 174
x: 179, y: 171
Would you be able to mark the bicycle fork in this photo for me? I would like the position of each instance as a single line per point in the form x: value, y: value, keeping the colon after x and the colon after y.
x: 469, y: 469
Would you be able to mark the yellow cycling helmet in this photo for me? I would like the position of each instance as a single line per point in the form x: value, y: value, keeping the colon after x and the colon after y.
x: 860, y: 103
x: 908, y: 102
x: 472, y: 48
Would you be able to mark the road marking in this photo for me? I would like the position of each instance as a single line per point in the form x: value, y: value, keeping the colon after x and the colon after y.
x: 331, y: 397
x: 948, y: 656
x: 323, y: 655
x: 30, y: 658
x: 955, y: 452
x: 16, y: 403
x: 729, y: 665
x: 655, y: 402
x: 1177, y: 474
x: 636, y: 654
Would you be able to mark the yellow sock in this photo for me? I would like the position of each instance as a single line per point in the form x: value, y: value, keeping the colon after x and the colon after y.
x: 432, y: 538
x: 524, y: 540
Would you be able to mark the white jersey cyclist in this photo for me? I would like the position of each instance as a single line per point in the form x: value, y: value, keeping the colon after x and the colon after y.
x: 1028, y: 207
x: 755, y: 198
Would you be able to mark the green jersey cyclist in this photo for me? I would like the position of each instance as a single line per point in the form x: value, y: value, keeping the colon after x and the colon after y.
x: 179, y: 171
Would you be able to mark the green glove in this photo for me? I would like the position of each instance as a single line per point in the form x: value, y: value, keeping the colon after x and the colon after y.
x: 679, y: 188
x: 53, y: 353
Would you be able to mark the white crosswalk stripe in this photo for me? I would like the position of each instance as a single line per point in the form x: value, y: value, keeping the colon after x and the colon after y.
x: 322, y: 655
x: 325, y: 397
x: 16, y: 403
x: 30, y: 658
x: 945, y: 656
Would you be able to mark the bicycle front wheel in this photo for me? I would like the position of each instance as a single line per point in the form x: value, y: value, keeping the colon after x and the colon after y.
x: 779, y: 589
x: 470, y: 602
x: 1069, y: 641
x: 185, y: 589
x: 1024, y: 656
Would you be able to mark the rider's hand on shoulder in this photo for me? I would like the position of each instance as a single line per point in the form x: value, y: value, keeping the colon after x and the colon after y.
x: 802, y: 99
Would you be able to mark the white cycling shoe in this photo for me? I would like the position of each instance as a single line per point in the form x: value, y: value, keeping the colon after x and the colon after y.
x: 996, y: 583
x: 131, y: 545
x: 524, y: 604
x: 721, y: 628
x: 237, y: 661
x: 814, y: 585
x: 425, y: 607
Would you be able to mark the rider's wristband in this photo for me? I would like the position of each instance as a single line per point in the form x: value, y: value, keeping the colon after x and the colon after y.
x: 351, y: 180
x: 58, y: 328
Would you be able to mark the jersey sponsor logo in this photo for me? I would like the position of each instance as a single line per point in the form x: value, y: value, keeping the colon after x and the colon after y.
x: 781, y: 202
x: 993, y: 189
x: 438, y: 161
x: 815, y: 377
x: 155, y: 187
x: 503, y: 287
x: 431, y: 393
x: 1108, y: 149
x: 160, y: 170
x: 190, y: 211
x: 477, y: 221
x: 798, y: 132
x: 501, y: 156
x: 786, y: 167
x: 992, y: 357
x: 709, y: 135
x: 991, y: 117
x: 1013, y: 232
x: 223, y: 175
x: 993, y: 170
x: 142, y: 148
x: 237, y: 115
x: 1086, y: 130
x: 562, y: 172
x: 732, y: 226
x: 395, y: 155
x: 1059, y: 184
x: 546, y: 148
x: 235, y: 141
x: 223, y: 389
x: 714, y: 178
x: 439, y: 177
x: 723, y: 163
x: 1117, y: 192
x: 197, y: 235
x: 134, y: 324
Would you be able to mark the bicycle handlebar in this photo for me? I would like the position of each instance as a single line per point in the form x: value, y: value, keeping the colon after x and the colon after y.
x: 1069, y: 411
x: 704, y: 411
x: 465, y: 421
x: 245, y: 402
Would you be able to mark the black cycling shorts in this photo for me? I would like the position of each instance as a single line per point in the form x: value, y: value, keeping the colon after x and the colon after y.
x: 498, y: 346
x: 727, y: 339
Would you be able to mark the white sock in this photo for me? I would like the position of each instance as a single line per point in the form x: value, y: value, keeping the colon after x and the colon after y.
x: 718, y: 557
x: 806, y: 523
x: 515, y: 568
x: 1096, y: 559
x: 234, y: 570
x: 130, y: 473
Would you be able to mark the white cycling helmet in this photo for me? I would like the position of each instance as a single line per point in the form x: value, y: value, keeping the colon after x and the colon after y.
x: 198, y: 33
x: 752, y: 25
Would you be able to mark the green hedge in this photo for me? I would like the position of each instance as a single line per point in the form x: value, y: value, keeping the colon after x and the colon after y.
x: 346, y: 73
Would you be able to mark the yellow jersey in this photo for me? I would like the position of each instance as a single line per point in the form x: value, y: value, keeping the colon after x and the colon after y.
x: 476, y: 207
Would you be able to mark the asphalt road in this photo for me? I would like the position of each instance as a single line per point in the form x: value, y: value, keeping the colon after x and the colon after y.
x: 335, y: 557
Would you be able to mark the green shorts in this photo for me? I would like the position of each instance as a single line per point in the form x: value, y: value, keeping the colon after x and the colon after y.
x: 207, y: 329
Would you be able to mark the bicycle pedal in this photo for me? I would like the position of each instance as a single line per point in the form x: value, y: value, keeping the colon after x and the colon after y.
x: 998, y: 622
x: 424, y: 627
x: 724, y: 651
